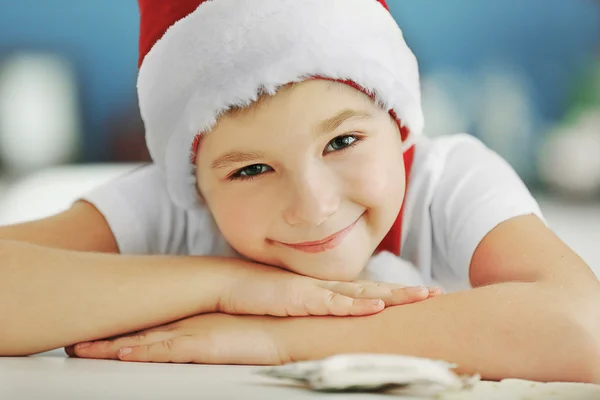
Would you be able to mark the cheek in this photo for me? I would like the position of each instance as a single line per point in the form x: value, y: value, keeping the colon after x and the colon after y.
x: 242, y: 219
x: 378, y: 178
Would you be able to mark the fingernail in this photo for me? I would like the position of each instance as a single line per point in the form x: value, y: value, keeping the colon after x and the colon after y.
x: 416, y: 289
x: 376, y: 302
x: 82, y: 345
x: 124, y: 351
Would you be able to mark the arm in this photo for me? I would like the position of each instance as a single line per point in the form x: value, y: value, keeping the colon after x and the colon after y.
x: 541, y: 324
x: 53, y: 297
x: 81, y: 228
x: 63, y: 281
x: 58, y: 288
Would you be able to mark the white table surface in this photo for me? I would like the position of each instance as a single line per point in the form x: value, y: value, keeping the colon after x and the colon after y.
x: 54, y: 376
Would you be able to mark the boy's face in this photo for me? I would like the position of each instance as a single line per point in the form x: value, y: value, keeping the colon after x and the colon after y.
x: 310, y: 179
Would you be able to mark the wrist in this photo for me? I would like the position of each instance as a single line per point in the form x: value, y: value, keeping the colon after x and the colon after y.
x: 310, y: 338
x: 217, y: 277
x: 290, y: 346
x: 237, y: 284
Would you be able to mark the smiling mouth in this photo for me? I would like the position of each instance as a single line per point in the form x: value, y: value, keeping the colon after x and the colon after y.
x: 328, y: 243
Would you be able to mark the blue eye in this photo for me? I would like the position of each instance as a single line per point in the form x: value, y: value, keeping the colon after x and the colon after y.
x: 341, y: 143
x: 250, y: 171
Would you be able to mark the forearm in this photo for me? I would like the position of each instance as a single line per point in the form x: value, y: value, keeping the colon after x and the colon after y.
x: 520, y: 330
x: 50, y: 298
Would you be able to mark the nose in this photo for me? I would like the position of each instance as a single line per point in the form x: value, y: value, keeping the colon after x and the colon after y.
x: 313, y: 199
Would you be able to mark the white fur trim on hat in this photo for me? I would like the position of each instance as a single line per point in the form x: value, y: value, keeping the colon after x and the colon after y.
x: 227, y: 51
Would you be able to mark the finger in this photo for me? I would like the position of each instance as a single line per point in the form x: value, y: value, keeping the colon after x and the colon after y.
x: 391, y: 294
x: 361, y: 290
x: 203, y: 350
x: 108, y: 349
x: 182, y: 349
x: 390, y: 286
x: 435, y: 291
x: 326, y: 302
x: 407, y: 295
x: 393, y: 286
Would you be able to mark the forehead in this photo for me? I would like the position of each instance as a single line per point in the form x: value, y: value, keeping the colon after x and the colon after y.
x: 288, y: 120
x: 312, y: 95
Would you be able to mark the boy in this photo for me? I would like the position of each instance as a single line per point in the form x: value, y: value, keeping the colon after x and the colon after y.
x: 286, y: 136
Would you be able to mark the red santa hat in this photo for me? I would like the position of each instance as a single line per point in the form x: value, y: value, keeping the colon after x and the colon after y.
x: 199, y: 58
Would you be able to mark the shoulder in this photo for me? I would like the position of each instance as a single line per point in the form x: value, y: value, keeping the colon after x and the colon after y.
x: 459, y: 190
x: 456, y: 151
x: 448, y: 165
x: 440, y: 164
x: 144, y: 219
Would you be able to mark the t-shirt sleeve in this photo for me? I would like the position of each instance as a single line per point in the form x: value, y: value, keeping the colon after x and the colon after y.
x: 140, y: 213
x: 477, y: 191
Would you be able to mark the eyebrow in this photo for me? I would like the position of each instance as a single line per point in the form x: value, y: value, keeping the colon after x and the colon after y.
x: 325, y: 126
x: 331, y: 124
x: 235, y: 157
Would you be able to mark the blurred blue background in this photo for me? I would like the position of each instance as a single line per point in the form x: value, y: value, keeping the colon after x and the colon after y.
x: 511, y: 72
x: 548, y: 41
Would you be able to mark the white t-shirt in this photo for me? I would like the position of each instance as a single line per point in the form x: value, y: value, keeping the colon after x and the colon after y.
x: 459, y: 190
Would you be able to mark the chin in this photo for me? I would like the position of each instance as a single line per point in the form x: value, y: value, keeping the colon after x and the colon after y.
x: 343, y: 263
x: 328, y: 267
x: 324, y: 268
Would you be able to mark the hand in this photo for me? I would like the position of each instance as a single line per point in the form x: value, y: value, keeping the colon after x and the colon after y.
x: 264, y: 290
x: 202, y: 339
